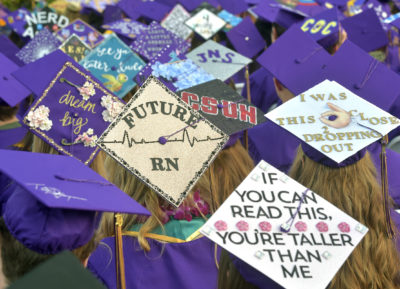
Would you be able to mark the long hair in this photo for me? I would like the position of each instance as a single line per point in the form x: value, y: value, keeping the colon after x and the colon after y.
x: 227, y: 171
x: 374, y: 263
x: 354, y: 189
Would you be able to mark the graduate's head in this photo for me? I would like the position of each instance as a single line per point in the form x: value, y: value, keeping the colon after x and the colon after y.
x: 220, y: 179
x: 7, y: 112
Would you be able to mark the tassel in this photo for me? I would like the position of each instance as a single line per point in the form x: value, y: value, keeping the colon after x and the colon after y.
x: 385, y: 191
x: 119, y: 253
x: 246, y: 134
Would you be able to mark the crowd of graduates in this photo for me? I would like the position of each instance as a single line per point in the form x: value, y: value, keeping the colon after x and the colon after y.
x: 125, y: 125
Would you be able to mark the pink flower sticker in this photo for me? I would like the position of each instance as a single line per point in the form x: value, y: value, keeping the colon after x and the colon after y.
x: 242, y: 226
x: 322, y: 227
x: 301, y: 226
x: 221, y: 225
x: 344, y: 227
x: 265, y: 226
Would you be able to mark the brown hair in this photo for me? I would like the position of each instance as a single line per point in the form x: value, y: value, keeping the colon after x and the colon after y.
x: 7, y: 112
x: 227, y: 171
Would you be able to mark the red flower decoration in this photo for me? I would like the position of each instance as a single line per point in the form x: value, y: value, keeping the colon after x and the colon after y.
x: 301, y: 226
x: 265, y: 226
x: 221, y: 225
x: 322, y: 227
x: 242, y: 226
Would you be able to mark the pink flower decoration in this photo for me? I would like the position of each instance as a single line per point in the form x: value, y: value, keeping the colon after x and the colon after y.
x: 242, y: 226
x: 221, y: 225
x: 344, y: 227
x: 322, y: 227
x: 301, y: 226
x: 265, y: 226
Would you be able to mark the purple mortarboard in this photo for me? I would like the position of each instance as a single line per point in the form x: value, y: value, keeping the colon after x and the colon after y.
x: 87, y: 33
x: 72, y: 112
x: 365, y: 76
x: 290, y: 63
x: 16, y: 20
x: 324, y: 27
x: 126, y: 27
x: 112, y: 13
x: 191, y: 5
x: 365, y: 30
x: 54, y: 208
x: 37, y: 75
x: 63, y: 271
x: 278, y: 13
x: 310, y: 7
x: 149, y: 9
x: 43, y: 43
x: 246, y: 39
x: 11, y: 91
x: 9, y: 49
x: 234, y: 6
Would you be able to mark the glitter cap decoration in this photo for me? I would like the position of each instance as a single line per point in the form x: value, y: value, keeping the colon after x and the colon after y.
x: 179, y: 146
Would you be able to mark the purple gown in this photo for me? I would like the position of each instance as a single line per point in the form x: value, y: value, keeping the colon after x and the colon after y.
x: 189, y: 265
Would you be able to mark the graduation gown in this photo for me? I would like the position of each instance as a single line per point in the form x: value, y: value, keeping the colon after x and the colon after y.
x: 12, y: 135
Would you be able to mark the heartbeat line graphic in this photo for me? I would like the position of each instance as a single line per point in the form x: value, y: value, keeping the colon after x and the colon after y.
x: 126, y: 139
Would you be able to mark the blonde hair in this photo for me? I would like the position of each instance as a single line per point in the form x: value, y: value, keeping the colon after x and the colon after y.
x: 354, y: 189
x: 227, y: 171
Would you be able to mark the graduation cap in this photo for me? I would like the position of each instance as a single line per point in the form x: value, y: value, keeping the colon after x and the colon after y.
x: 246, y: 39
x: 9, y: 49
x: 179, y: 146
x: 12, y: 92
x: 72, y: 112
x: 205, y: 23
x: 195, y: 6
x: 218, y: 60
x: 334, y: 121
x: 173, y: 70
x: 112, y: 13
x: 54, y: 208
x: 234, y: 6
x: 38, y: 74
x: 366, y: 77
x: 153, y: 10
x: 222, y: 106
x: 268, y: 223
x: 75, y: 47
x: 155, y: 38
x: 275, y: 12
x: 42, y: 44
x: 297, y: 67
x: 323, y: 27
x: 87, y: 33
x: 231, y: 19
x: 16, y: 20
x: 126, y: 27
x: 365, y: 30
x: 63, y: 271
x: 115, y: 64
x: 175, y: 22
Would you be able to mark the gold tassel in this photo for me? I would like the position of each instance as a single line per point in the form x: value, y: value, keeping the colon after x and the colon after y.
x: 119, y: 252
x: 385, y: 190
x: 246, y: 134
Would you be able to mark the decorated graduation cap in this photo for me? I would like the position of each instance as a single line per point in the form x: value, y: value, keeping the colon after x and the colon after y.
x: 234, y: 6
x: 154, y: 10
x: 12, y: 92
x: 222, y: 106
x: 218, y: 60
x: 126, y: 27
x: 54, y: 208
x: 42, y: 44
x: 246, y: 39
x: 365, y: 30
x: 154, y: 39
x: 296, y: 67
x: 73, y: 110
x: 173, y: 69
x: 9, y: 49
x: 275, y: 12
x: 334, y: 121
x: 205, y: 23
x: 175, y: 22
x: 16, y: 20
x: 284, y: 230
x: 323, y: 27
x: 179, y: 146
x: 75, y: 47
x: 87, y: 33
x: 63, y: 271
x: 365, y: 76
x: 115, y: 64
x: 231, y: 19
